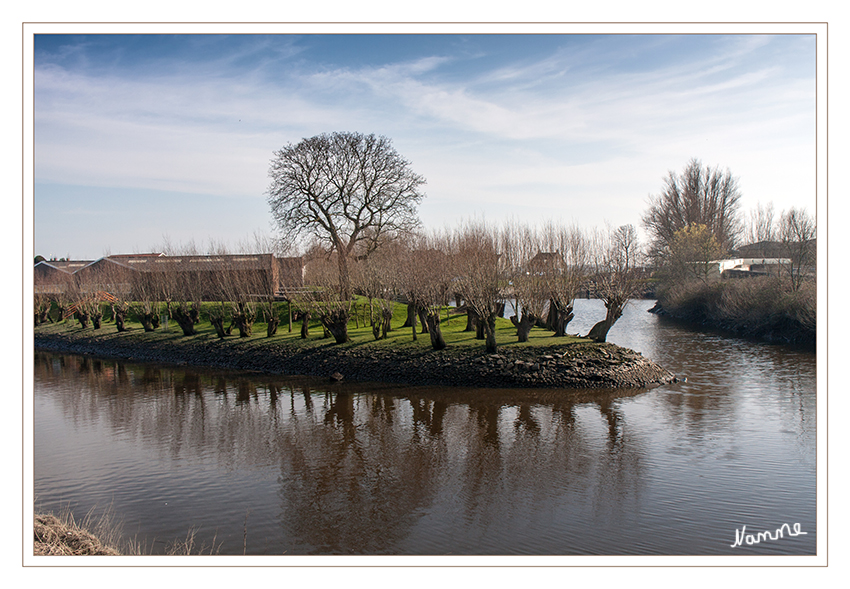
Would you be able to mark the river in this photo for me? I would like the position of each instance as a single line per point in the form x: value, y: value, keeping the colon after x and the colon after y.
x: 279, y: 465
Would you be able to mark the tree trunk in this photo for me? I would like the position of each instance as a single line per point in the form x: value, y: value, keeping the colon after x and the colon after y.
x: 563, y: 316
x: 83, y: 318
x: 411, y: 315
x: 149, y: 320
x: 271, y: 326
x: 423, y: 315
x: 344, y: 279
x: 552, y: 316
x: 432, y: 318
x: 599, y: 332
x: 120, y: 315
x: 470, y: 320
x: 305, y: 324
x: 96, y: 319
x: 244, y: 323
x: 218, y: 324
x: 244, y: 319
x: 490, y: 334
x: 184, y: 320
x: 386, y: 324
x: 336, y: 322
x: 524, y: 325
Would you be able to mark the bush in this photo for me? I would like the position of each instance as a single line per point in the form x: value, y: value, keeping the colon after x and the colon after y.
x: 755, y: 307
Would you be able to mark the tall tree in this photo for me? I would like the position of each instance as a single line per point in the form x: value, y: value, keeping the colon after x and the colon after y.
x: 349, y: 190
x: 699, y: 195
x: 797, y: 231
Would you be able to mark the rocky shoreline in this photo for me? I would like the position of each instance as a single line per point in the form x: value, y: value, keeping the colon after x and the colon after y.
x: 572, y: 366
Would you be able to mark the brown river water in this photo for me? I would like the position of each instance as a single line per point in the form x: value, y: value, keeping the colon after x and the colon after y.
x: 279, y: 465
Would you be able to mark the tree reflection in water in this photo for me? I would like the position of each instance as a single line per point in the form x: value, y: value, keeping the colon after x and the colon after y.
x: 369, y: 469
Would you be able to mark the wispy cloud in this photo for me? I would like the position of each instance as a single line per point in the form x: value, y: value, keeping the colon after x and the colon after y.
x: 599, y: 120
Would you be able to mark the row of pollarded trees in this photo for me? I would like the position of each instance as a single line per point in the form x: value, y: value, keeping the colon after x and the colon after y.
x: 539, y: 271
x: 242, y: 287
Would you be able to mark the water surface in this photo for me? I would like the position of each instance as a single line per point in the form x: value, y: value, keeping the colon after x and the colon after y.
x: 278, y: 465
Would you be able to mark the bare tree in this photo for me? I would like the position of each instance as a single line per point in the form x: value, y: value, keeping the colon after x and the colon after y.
x: 345, y: 189
x: 520, y: 247
x: 148, y: 293
x: 478, y: 276
x: 117, y: 281
x: 378, y: 278
x: 42, y: 302
x: 566, y: 272
x: 761, y: 226
x: 700, y: 195
x: 90, y: 280
x: 616, y: 255
x: 323, y: 299
x: 797, y: 232
x: 183, y: 288
x: 426, y: 281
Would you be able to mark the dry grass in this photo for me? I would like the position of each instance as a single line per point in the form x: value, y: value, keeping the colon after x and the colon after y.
x: 63, y: 536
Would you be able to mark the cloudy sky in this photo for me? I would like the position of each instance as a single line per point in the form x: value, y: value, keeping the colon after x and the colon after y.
x: 143, y: 138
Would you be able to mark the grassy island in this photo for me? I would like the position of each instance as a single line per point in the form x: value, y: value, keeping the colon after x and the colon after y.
x: 542, y: 361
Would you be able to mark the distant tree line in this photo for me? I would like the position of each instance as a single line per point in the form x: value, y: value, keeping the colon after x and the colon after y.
x: 695, y: 221
x: 352, y: 199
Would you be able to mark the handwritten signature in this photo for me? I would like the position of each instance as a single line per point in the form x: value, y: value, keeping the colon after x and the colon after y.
x: 742, y: 537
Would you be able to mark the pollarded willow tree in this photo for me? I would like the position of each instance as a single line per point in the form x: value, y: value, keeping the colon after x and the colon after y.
x: 616, y: 258
x: 425, y: 281
x: 348, y: 190
x: 479, y: 277
x: 528, y: 282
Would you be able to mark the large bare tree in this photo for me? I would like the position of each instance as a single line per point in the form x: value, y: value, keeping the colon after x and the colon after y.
x: 349, y: 190
x: 699, y: 195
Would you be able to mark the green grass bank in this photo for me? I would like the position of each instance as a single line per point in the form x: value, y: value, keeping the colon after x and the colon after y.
x: 543, y: 361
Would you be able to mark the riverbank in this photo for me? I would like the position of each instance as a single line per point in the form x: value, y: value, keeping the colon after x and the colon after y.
x: 756, y: 309
x: 575, y: 364
x: 62, y: 536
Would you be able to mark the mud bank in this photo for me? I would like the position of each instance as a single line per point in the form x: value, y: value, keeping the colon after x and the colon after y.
x: 575, y: 365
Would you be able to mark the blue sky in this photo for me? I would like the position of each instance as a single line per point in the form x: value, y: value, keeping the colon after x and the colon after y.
x: 142, y: 137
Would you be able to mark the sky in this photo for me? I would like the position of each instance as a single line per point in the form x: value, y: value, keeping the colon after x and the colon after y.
x: 147, y: 139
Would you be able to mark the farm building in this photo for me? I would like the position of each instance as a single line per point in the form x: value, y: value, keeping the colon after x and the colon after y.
x: 205, y: 277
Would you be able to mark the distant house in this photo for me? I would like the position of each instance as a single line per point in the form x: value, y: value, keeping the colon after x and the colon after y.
x: 547, y: 262
x: 746, y: 267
